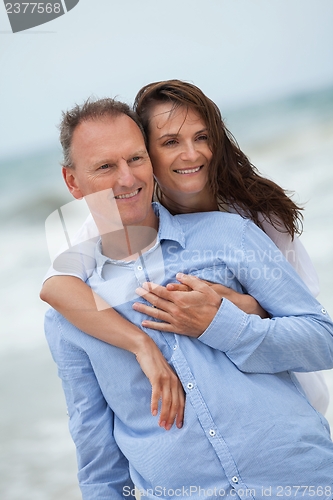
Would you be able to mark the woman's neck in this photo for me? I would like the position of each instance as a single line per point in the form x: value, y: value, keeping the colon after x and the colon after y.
x: 189, y: 203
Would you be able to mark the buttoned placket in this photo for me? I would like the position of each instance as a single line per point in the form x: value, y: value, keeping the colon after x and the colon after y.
x: 204, y: 416
x: 140, y: 271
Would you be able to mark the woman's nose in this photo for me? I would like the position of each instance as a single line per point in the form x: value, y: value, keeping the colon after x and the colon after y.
x: 190, y: 153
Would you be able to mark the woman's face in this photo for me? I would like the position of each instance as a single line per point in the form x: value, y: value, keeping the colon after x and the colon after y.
x: 178, y: 148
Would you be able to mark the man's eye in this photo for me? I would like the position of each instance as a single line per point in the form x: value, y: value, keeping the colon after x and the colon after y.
x: 104, y: 167
x: 136, y: 158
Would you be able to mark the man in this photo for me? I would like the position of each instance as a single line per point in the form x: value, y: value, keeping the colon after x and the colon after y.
x: 249, y: 431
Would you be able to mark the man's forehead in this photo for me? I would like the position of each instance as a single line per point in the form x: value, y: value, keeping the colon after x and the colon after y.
x: 107, y: 123
x: 106, y: 138
x: 107, y: 128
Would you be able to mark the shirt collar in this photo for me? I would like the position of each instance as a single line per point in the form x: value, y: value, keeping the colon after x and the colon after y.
x: 169, y: 229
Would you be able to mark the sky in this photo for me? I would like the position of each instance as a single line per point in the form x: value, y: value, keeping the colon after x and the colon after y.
x: 238, y: 51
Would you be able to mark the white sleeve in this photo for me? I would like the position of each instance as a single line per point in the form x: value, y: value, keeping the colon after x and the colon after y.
x: 313, y: 383
x: 296, y: 255
x: 77, y: 256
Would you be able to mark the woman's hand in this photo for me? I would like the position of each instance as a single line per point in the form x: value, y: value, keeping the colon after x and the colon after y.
x: 184, y: 312
x: 245, y: 302
x: 165, y: 385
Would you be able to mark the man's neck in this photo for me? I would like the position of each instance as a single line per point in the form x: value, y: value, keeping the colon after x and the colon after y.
x: 129, y: 242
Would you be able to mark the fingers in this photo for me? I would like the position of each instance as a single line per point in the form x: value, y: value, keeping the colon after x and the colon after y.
x: 172, y: 407
x: 166, y: 386
x: 172, y: 403
x: 178, y: 287
x: 181, y: 408
x: 155, y: 397
x: 148, y: 296
x: 154, y: 299
x: 192, y: 282
x: 158, y: 290
x: 161, y: 327
x: 166, y: 420
x: 154, y: 312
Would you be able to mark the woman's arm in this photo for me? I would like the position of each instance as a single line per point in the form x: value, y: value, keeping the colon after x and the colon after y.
x: 75, y: 300
x: 243, y: 301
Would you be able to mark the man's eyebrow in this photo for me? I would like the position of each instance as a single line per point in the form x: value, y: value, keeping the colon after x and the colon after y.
x: 99, y: 163
x: 176, y: 134
x: 140, y: 152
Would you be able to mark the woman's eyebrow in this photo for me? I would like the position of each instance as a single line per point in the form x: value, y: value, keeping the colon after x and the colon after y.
x: 176, y: 134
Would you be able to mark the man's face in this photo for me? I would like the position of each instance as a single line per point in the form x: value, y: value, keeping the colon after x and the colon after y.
x: 111, y: 153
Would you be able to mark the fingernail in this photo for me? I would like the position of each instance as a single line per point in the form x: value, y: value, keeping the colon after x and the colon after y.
x: 154, y: 412
x: 162, y: 424
x: 180, y: 275
x: 168, y: 427
x: 180, y: 425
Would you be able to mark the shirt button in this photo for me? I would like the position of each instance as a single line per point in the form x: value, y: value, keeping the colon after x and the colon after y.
x: 140, y: 268
x: 212, y: 432
x: 190, y: 385
x: 323, y: 311
x: 234, y: 479
x: 175, y: 347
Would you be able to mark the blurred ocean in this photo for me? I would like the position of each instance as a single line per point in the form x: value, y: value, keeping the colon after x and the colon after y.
x: 289, y: 140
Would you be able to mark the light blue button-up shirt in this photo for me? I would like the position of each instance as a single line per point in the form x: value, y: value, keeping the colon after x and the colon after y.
x: 249, y: 431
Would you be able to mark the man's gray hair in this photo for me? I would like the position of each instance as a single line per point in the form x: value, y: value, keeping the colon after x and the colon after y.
x: 91, y: 109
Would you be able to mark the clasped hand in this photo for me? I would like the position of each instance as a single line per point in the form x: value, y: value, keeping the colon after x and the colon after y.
x: 186, y: 309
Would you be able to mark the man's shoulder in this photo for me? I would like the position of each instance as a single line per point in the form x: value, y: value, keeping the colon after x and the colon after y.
x: 213, y: 220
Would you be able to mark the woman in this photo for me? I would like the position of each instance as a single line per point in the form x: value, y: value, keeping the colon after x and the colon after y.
x: 198, y: 167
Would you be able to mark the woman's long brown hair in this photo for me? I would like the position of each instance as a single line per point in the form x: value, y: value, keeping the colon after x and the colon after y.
x: 233, y: 180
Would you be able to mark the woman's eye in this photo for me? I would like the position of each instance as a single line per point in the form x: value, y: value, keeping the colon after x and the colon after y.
x: 202, y: 137
x: 171, y: 142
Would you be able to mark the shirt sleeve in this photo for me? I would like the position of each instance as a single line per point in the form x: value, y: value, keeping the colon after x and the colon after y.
x: 77, y: 257
x: 299, y: 334
x: 103, y: 470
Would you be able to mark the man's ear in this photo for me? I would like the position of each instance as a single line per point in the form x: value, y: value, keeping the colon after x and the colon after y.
x: 70, y: 180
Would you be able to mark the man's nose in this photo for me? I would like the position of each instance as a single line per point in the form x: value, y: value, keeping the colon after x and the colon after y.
x: 125, y: 175
x: 190, y: 152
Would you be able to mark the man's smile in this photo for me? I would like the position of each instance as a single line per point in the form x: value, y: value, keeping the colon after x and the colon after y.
x: 128, y: 195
